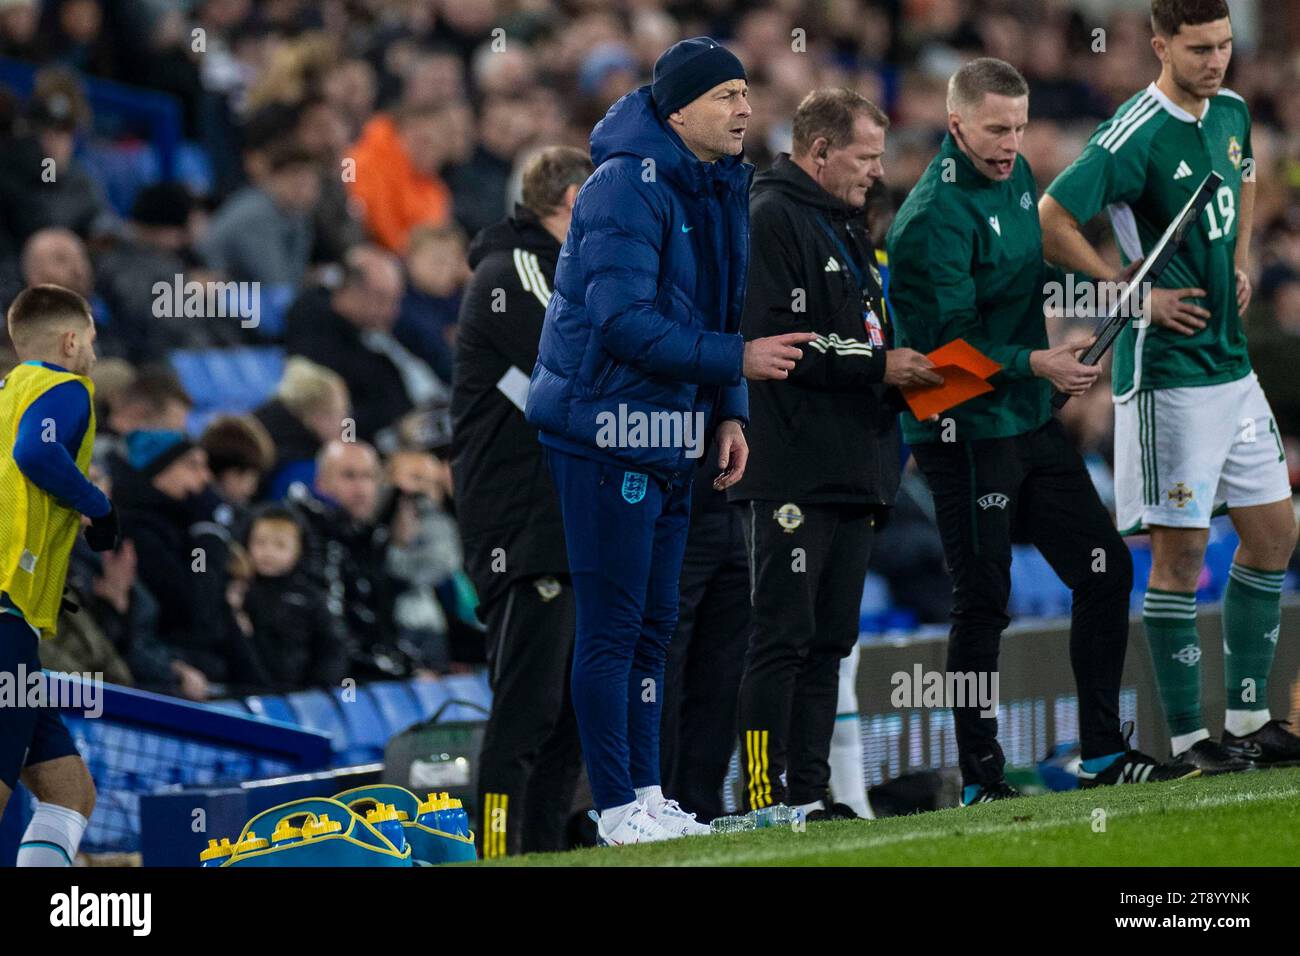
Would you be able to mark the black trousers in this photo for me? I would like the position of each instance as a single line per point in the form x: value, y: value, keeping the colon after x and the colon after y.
x: 531, y: 758
x: 705, y: 660
x: 808, y: 566
x: 1033, y: 488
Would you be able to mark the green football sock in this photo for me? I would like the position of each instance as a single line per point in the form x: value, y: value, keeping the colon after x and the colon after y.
x: 1170, y: 621
x: 1252, y: 617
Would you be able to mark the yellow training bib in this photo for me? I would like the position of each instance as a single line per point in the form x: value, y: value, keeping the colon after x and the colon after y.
x: 37, y: 532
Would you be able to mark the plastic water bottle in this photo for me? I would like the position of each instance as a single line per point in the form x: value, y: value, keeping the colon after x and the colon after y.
x: 320, y: 827
x: 384, y: 819
x: 251, y: 843
x: 216, y: 853
x: 459, y: 817
x: 285, y: 833
x: 429, y: 812
x: 733, y: 824
x: 456, y: 817
x: 778, y: 815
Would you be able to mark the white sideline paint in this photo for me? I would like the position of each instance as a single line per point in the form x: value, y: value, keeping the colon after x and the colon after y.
x: 866, y: 841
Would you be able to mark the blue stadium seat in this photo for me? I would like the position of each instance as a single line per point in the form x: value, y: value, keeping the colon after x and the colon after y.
x: 1218, y: 559
x: 397, y: 704
x: 224, y: 372
x: 230, y: 380
x: 194, y: 168
x: 271, y: 707
x: 366, y: 730
x: 1141, y: 551
x: 429, y: 696
x: 192, y: 372
x: 316, y: 710
x: 274, y: 308
x: 468, y: 687
x: 1036, y: 591
x: 121, y: 169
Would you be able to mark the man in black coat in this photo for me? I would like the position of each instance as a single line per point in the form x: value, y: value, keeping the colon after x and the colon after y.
x: 824, y: 457
x: 510, y: 518
x: 346, y: 553
x: 350, y: 329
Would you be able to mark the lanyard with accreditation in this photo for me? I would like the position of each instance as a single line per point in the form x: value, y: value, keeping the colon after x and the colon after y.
x: 871, y: 322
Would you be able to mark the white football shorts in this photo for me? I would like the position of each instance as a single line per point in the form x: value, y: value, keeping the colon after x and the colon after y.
x: 1183, y: 454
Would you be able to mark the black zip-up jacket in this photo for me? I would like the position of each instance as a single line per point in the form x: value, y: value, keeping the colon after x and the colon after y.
x: 829, y: 433
x: 298, y: 641
x: 504, y: 495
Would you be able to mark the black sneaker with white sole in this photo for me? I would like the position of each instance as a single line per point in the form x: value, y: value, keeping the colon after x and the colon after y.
x: 1136, y: 767
x: 1214, y: 758
x: 1270, y: 746
x: 1133, y: 766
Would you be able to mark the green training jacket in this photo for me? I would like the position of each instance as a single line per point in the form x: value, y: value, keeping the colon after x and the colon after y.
x: 966, y: 260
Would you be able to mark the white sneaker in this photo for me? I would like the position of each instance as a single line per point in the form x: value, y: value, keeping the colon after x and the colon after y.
x: 670, y: 815
x: 637, y: 826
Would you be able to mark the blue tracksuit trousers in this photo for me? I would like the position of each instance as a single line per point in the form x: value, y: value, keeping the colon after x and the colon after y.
x: 625, y: 534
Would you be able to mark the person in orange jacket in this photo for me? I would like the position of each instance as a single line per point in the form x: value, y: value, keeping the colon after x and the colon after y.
x: 395, y: 179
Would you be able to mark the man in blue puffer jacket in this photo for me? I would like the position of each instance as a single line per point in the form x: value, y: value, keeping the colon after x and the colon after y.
x: 640, y: 358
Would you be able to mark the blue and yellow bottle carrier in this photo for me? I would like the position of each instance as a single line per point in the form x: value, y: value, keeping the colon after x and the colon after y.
x: 383, y: 825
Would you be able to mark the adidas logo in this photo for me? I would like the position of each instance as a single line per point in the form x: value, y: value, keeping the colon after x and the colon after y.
x: 1135, y: 772
x: 997, y: 227
x: 1183, y: 170
x: 832, y: 265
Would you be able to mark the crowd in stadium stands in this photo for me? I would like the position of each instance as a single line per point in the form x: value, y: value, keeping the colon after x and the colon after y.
x: 344, y: 151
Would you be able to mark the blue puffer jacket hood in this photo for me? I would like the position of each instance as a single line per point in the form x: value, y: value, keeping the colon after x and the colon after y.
x: 645, y: 317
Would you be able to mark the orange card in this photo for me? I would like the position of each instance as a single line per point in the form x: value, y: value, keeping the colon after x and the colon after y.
x: 964, y: 370
x: 961, y: 353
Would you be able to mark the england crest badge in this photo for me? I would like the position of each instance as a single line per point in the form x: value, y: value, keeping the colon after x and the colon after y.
x: 634, y: 485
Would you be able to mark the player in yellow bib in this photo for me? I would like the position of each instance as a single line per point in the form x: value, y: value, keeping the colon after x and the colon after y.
x: 1194, y: 433
x: 47, y: 432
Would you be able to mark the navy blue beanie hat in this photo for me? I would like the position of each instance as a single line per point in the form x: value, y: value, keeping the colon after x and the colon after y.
x: 689, y: 69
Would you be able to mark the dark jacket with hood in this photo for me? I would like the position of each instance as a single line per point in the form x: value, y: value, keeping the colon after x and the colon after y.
x: 829, y: 433
x: 182, y: 547
x: 504, y: 496
x: 648, y: 296
x: 299, y: 642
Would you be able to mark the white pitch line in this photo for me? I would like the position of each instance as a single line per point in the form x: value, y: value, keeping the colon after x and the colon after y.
x: 866, y: 841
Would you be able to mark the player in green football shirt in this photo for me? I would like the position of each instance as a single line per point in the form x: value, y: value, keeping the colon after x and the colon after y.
x: 1193, y: 429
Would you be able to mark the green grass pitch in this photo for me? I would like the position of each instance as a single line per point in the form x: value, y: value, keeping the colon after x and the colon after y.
x: 1247, y: 819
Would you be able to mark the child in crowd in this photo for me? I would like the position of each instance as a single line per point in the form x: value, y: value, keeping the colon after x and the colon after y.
x: 298, y: 642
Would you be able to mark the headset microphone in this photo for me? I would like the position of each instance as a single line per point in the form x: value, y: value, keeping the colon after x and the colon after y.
x: 982, y: 159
